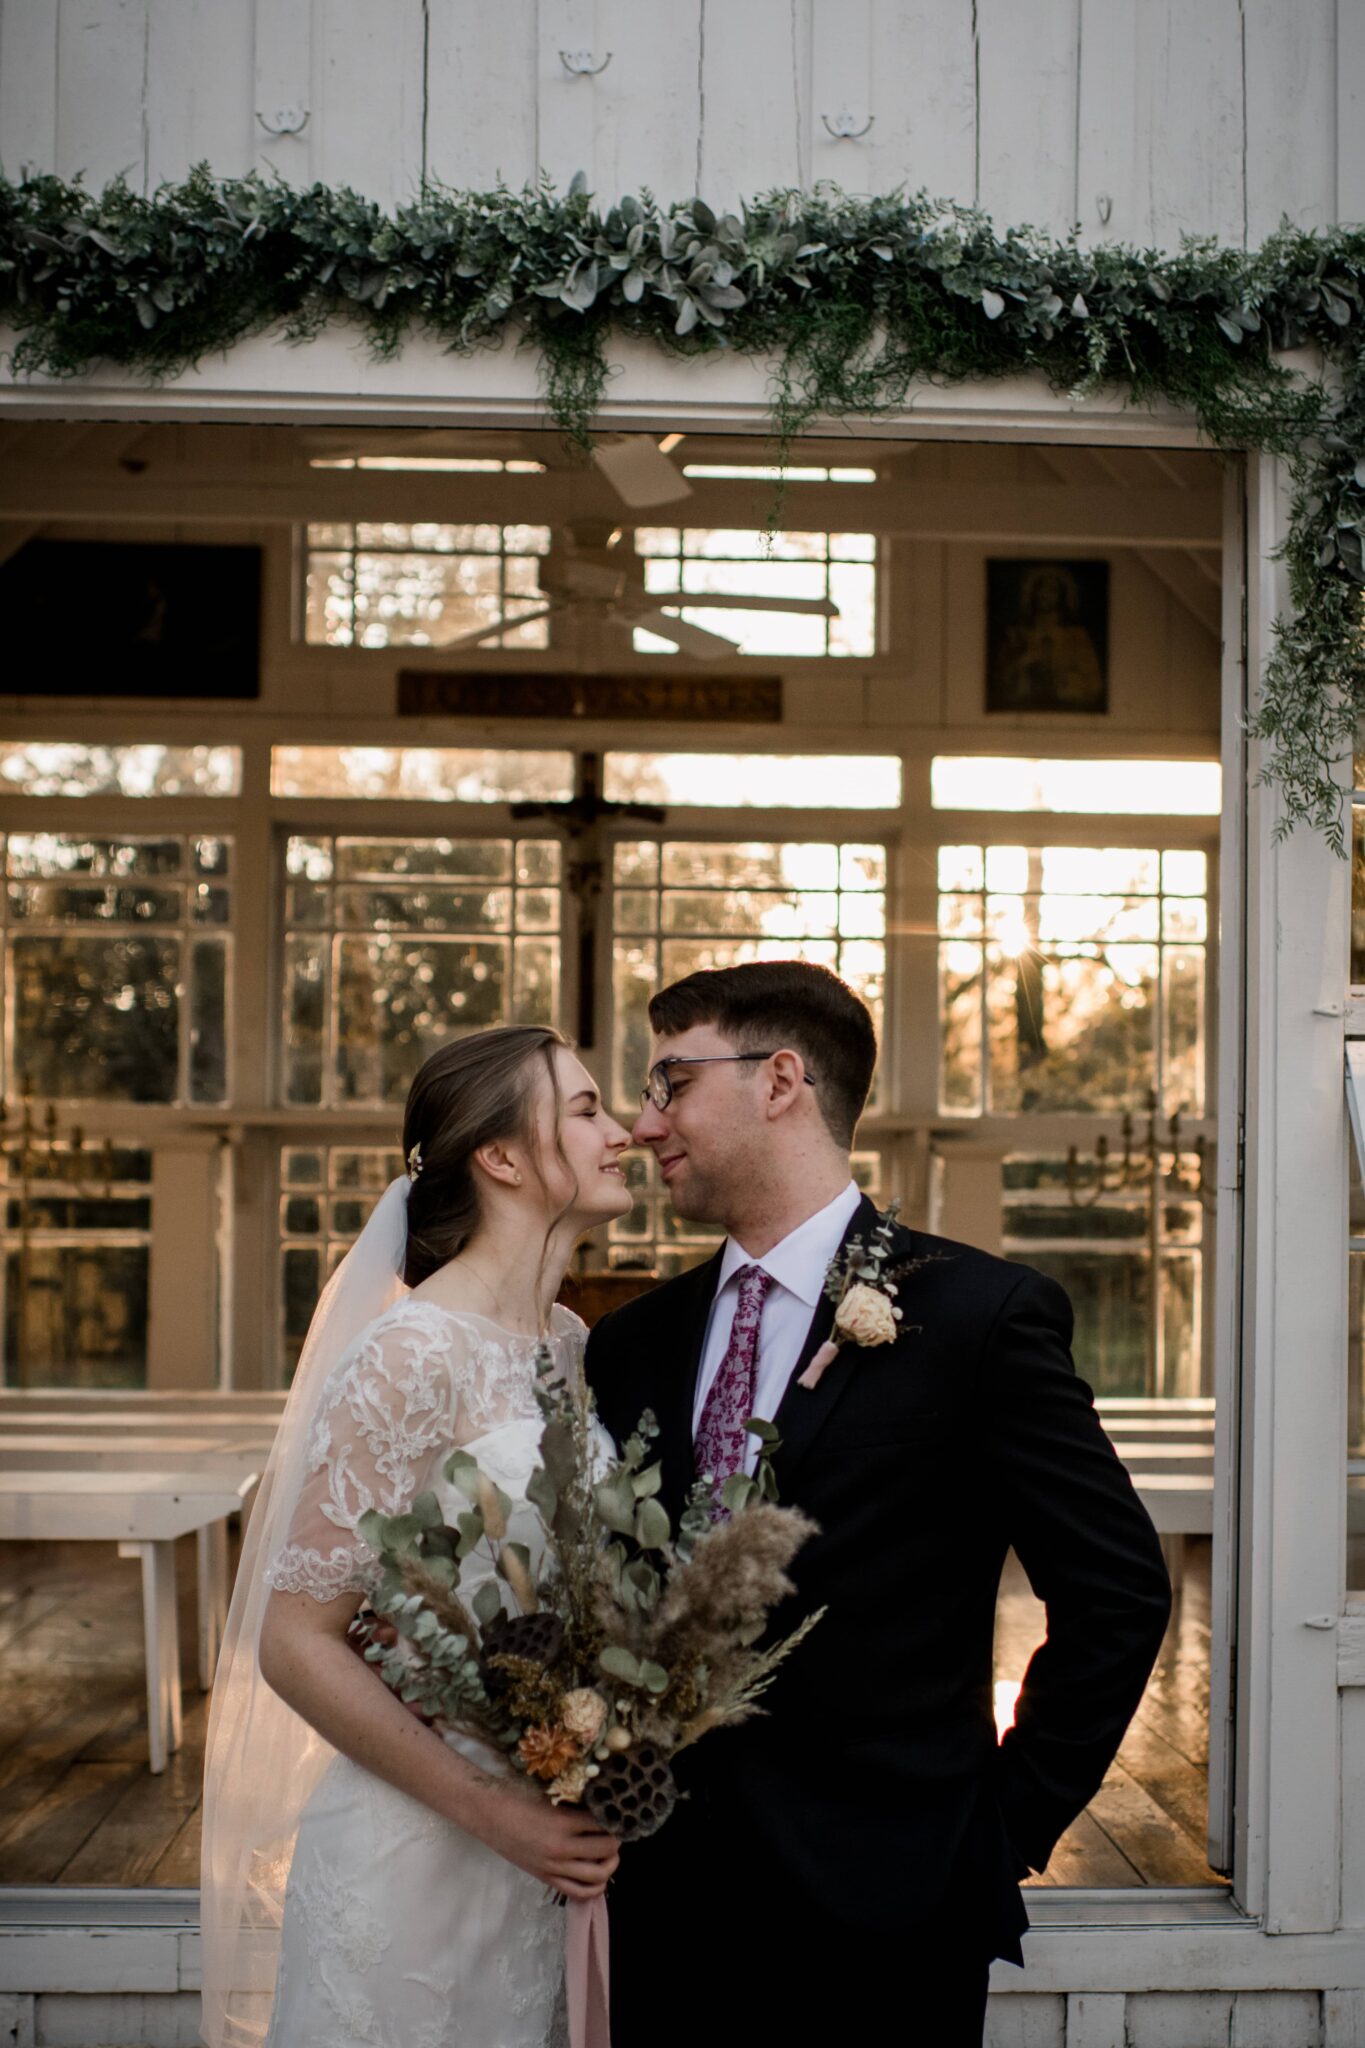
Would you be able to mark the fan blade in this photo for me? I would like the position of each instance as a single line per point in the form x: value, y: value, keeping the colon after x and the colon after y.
x: 638, y: 473
x: 503, y: 625
x: 689, y: 639
x: 727, y: 601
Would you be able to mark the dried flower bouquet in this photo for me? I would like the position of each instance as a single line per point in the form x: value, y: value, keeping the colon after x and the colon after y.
x: 631, y: 1642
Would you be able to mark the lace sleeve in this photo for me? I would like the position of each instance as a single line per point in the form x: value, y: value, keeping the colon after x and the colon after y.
x: 383, y: 1423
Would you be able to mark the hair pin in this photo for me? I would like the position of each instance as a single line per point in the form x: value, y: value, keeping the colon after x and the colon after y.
x: 414, y: 1162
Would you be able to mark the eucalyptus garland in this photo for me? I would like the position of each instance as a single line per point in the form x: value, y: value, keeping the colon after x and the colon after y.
x: 853, y: 300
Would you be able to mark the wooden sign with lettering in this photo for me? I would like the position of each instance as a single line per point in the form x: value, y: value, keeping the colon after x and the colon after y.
x: 491, y: 693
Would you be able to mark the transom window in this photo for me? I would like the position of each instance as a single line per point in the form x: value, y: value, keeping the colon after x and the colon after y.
x: 385, y: 584
x: 699, y: 561
x: 392, y: 945
x: 116, y: 966
x: 685, y: 904
x: 1071, y: 978
x: 64, y: 768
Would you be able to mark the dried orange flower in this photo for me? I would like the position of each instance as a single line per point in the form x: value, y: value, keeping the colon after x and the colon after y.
x: 547, y: 1751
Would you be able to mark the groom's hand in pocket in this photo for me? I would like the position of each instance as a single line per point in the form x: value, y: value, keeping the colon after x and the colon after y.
x: 558, y: 1844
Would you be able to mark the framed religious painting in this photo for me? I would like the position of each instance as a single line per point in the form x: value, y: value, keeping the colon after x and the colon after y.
x: 1047, y: 635
x: 94, y: 618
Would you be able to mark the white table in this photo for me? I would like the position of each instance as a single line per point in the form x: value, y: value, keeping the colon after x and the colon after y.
x: 144, y: 1513
x: 117, y: 1450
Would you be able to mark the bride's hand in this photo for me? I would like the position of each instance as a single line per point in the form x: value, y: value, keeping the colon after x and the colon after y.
x: 558, y: 1844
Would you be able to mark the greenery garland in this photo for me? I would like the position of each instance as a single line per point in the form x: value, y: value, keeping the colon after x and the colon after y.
x: 853, y: 299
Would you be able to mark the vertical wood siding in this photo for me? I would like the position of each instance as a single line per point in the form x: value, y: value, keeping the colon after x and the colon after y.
x: 1205, y: 116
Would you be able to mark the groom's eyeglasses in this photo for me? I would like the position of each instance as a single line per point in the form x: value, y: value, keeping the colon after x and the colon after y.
x: 658, y: 1089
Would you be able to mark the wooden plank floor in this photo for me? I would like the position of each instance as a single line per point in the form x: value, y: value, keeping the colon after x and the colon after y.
x: 79, y: 1806
x: 1146, y: 1824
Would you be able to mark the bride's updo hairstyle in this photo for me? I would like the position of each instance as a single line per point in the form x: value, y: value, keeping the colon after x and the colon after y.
x: 469, y: 1093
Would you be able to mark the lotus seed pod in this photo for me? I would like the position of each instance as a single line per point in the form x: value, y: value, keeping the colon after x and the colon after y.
x: 634, y: 1795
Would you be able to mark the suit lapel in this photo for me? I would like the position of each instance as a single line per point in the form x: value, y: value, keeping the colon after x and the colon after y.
x: 803, y: 1411
x: 680, y: 1348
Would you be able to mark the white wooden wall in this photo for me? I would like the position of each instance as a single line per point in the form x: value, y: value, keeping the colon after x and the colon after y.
x: 1139, y: 119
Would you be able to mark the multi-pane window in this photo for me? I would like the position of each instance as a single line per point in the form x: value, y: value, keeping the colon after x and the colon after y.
x: 695, y: 562
x: 76, y: 1234
x: 116, y: 966
x: 392, y: 945
x: 1071, y: 978
x: 326, y: 1195
x: 683, y: 904
x: 1096, y: 1229
x: 386, y: 584
x: 654, y: 1238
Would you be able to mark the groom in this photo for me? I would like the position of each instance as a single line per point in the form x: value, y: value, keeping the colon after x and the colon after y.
x: 845, y: 1867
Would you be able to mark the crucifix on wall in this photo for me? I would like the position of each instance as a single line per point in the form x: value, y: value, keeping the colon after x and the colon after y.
x: 580, y: 820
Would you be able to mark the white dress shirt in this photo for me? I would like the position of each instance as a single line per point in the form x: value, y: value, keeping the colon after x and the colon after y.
x: 797, y: 1267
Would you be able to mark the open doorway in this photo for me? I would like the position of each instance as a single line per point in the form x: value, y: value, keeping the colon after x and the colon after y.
x: 527, y: 736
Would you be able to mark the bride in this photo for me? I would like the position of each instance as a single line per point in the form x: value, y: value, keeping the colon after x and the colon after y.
x: 366, y: 1879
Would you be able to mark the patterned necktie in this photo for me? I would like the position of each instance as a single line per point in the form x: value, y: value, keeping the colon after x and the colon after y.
x: 721, y: 1439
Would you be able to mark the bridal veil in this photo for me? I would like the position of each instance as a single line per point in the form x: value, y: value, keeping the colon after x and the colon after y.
x: 263, y: 1761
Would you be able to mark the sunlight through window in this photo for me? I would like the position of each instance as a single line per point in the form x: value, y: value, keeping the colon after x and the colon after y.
x: 1007, y: 782
x: 848, y: 782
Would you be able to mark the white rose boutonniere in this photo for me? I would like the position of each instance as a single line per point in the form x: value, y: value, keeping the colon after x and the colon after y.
x: 859, y: 1283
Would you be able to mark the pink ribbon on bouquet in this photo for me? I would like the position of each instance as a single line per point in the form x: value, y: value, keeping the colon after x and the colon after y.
x: 586, y: 1966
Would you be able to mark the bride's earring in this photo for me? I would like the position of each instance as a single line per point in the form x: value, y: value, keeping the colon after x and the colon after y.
x: 517, y: 1179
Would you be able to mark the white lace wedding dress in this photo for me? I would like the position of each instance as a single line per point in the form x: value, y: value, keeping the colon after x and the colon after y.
x: 401, y: 1930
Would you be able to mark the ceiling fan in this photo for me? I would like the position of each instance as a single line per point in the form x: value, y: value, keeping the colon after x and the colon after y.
x: 590, y: 573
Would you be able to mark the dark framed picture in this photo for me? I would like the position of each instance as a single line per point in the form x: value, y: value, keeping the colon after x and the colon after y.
x: 1047, y: 636
x: 94, y: 618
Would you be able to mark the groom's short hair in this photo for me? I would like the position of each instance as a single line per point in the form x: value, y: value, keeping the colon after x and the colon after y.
x: 769, y: 1004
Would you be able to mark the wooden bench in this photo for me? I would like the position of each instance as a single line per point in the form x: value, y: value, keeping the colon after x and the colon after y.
x: 144, y: 1513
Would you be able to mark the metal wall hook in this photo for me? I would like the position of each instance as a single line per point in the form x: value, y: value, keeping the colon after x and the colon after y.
x: 1104, y: 206
x: 579, y: 63
x: 844, y: 127
x: 286, y: 121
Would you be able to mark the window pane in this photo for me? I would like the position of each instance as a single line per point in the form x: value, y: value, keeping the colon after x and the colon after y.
x: 305, y: 1004
x: 51, y: 768
x: 396, y: 1000
x: 988, y: 782
x: 97, y: 1017
x: 83, y: 1320
x: 1071, y: 1033
x: 860, y: 782
x: 434, y: 774
x: 208, y: 1014
x: 1111, y: 1298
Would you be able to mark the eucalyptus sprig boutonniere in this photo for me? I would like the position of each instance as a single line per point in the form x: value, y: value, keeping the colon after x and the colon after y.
x: 862, y: 1287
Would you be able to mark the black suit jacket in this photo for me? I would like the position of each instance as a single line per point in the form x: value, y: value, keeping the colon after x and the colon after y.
x: 872, y: 1800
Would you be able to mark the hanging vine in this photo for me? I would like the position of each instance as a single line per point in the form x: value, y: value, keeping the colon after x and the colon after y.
x: 852, y: 302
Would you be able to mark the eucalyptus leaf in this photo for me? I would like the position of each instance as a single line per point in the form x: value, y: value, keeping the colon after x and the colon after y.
x: 462, y: 1472
x: 738, y: 1490
x: 652, y: 1526
x: 487, y: 1602
x: 619, y: 1662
